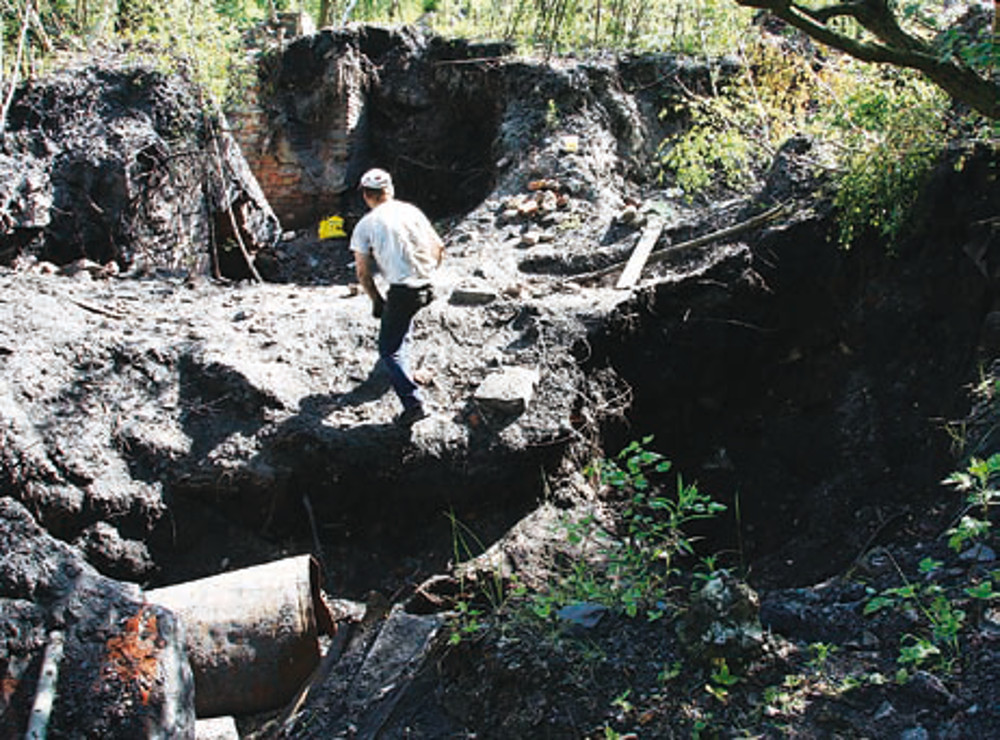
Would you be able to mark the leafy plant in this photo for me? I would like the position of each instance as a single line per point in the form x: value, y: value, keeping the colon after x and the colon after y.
x: 192, y: 38
x: 821, y: 652
x: 977, y: 482
x: 713, y: 152
x: 467, y: 622
x: 917, y: 651
x: 722, y: 679
x: 787, y: 698
x: 941, y: 613
x: 892, y: 131
x: 629, y: 569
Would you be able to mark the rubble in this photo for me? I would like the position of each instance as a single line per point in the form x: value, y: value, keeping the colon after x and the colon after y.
x: 508, y: 391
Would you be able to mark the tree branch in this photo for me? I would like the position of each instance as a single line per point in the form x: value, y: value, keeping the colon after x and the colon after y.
x: 895, y: 46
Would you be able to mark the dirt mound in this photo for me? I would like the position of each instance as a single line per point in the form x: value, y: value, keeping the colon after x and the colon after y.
x: 119, y: 165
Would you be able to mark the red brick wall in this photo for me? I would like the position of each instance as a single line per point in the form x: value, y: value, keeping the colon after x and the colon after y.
x: 302, y: 174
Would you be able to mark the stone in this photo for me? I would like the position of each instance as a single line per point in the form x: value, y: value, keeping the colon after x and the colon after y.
x: 723, y: 621
x: 583, y: 614
x: 472, y: 292
x: 979, y: 553
x: 530, y: 238
x: 508, y: 391
x: 216, y: 728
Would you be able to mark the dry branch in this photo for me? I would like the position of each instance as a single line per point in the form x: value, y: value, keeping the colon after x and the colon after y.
x: 45, y: 695
x: 14, y: 71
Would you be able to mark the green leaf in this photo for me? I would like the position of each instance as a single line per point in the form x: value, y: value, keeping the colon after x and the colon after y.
x: 929, y: 565
x: 878, y: 603
x: 982, y: 591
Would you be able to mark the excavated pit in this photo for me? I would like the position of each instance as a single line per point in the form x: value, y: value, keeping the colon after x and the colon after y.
x: 813, y: 393
x: 805, y: 386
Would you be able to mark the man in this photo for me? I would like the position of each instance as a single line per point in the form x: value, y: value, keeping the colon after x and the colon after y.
x: 395, y: 238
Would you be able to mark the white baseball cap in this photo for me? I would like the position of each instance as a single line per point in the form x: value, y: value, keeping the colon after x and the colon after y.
x: 376, y: 179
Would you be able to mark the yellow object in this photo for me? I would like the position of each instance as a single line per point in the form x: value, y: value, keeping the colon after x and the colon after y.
x: 332, y: 228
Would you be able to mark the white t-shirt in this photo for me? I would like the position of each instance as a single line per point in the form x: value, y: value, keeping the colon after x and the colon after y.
x: 401, y: 239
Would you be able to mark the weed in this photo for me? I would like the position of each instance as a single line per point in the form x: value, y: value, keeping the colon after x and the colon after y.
x: 722, y: 679
x: 977, y: 483
x: 702, y: 726
x: 821, y: 652
x: 468, y: 618
x: 982, y: 591
x: 551, y: 115
x: 622, y: 703
x: 670, y: 672
x: 713, y: 151
x: 916, y: 651
x: 787, y: 698
x: 635, y: 566
x: 941, y: 615
x: 467, y: 622
x: 892, y: 133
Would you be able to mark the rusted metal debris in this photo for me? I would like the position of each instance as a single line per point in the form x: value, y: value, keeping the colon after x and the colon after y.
x: 251, y: 634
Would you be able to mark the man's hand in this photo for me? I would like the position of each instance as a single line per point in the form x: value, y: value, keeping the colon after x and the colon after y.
x: 378, y: 304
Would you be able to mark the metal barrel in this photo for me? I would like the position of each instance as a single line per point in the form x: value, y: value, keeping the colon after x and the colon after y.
x: 251, y: 635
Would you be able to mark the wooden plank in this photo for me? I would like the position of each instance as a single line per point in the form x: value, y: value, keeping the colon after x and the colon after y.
x: 660, y: 254
x: 640, y: 254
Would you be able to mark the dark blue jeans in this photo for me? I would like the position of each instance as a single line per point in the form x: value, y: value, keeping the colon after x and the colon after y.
x: 401, y: 304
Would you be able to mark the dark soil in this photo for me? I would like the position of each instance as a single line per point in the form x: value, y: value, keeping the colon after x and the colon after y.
x: 167, y: 427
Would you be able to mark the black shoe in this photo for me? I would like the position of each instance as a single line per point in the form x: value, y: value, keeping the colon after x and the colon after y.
x: 411, y: 415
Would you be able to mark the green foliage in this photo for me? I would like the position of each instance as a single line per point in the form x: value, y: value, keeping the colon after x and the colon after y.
x: 633, y: 566
x: 714, y: 152
x: 969, y: 529
x: 943, y: 613
x: 469, y: 619
x: 549, y: 26
x: 978, y: 483
x: 721, y: 680
x: 788, y: 697
x: 821, y: 652
x: 892, y: 130
x: 731, y: 135
x: 551, y: 115
x: 972, y: 44
x: 466, y: 622
x: 918, y: 651
x: 193, y: 38
x: 937, y: 610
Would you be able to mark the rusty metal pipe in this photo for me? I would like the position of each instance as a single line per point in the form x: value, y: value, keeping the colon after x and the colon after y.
x: 251, y: 634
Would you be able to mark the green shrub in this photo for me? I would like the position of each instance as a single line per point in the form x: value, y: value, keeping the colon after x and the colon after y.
x: 891, y: 133
x: 629, y: 569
